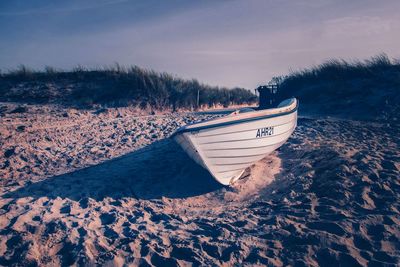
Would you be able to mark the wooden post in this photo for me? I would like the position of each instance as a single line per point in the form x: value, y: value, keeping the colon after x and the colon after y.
x: 198, y: 98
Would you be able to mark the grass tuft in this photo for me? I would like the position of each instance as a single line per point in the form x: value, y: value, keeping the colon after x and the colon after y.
x: 354, y: 89
x: 114, y: 85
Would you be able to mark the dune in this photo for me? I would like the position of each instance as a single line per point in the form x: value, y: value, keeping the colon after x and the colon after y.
x: 109, y: 187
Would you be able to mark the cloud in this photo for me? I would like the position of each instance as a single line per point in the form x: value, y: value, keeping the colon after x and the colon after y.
x: 45, y: 9
x: 229, y: 43
x: 359, y: 26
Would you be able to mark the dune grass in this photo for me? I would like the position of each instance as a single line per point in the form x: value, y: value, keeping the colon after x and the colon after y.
x: 359, y: 89
x: 114, y: 86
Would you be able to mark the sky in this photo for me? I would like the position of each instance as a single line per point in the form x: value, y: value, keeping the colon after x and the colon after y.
x: 227, y: 43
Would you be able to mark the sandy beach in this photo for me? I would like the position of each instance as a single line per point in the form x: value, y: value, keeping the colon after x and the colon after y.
x: 200, y: 133
x: 108, y: 186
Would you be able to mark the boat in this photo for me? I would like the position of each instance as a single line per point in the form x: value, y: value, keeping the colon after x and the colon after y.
x: 226, y: 146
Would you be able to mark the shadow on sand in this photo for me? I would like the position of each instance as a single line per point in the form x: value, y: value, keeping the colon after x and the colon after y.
x: 161, y: 169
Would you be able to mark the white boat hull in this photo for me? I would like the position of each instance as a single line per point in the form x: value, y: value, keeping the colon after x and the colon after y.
x: 227, y: 147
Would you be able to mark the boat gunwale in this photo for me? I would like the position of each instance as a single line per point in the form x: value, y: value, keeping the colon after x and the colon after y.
x: 199, y: 128
x: 242, y: 131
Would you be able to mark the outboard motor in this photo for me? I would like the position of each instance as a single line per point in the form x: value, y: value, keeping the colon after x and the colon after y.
x: 267, y: 96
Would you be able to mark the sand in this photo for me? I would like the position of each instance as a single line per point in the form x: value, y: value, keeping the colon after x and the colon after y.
x: 110, y: 187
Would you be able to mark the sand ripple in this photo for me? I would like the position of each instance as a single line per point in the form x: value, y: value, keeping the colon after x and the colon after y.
x: 328, y: 196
